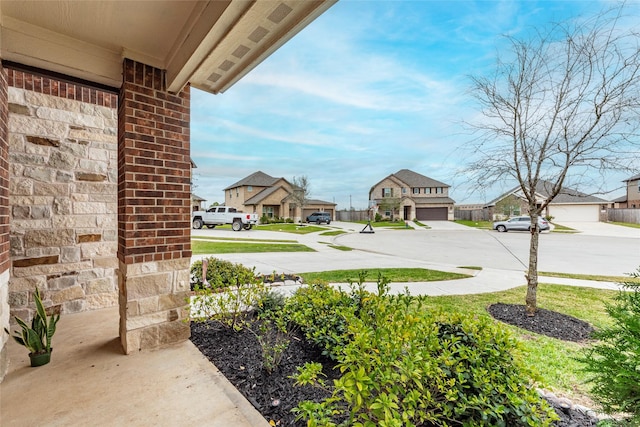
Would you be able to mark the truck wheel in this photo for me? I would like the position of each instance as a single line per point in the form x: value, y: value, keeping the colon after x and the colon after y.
x: 197, y: 223
x: 248, y: 226
x: 211, y: 226
x: 236, y: 226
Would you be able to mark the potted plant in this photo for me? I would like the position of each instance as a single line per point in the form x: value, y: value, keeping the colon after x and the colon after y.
x: 37, y: 338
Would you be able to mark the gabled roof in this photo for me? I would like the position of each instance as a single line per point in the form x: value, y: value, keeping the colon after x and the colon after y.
x: 566, y: 195
x: 412, y: 180
x: 633, y: 178
x: 256, y: 179
x: 263, y: 194
x: 415, y: 180
x: 432, y: 200
x: 197, y: 198
x: 319, y: 202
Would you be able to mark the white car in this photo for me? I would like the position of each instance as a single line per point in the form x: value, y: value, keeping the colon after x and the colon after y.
x: 521, y: 223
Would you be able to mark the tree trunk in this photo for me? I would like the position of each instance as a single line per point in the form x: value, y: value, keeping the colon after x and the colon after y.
x: 532, y: 274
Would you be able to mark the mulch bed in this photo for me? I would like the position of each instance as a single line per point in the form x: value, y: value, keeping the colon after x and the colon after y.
x: 238, y: 356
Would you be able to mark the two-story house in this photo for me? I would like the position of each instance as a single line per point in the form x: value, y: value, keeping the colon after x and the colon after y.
x: 409, y: 195
x: 271, y: 197
x: 632, y: 198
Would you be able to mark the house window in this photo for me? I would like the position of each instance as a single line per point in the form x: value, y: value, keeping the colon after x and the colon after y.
x: 230, y: 194
x: 416, y: 191
x: 427, y: 190
x: 267, y: 211
x: 439, y: 190
x: 404, y: 190
x: 237, y: 191
x: 387, y: 192
x: 387, y: 213
x: 249, y: 188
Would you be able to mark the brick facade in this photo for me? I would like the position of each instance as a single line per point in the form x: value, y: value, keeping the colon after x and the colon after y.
x: 154, y: 209
x: 4, y: 222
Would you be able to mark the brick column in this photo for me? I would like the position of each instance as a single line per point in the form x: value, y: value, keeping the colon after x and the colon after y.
x: 4, y: 221
x: 154, y: 194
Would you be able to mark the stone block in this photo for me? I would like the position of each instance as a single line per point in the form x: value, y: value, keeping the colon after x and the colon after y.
x: 100, y: 286
x: 110, y: 262
x: 18, y: 299
x: 63, y: 282
x: 149, y: 338
x: 41, y: 252
x: 172, y: 301
x: 19, y: 109
x: 84, y: 238
x: 75, y: 306
x: 94, y: 250
x: 21, y: 187
x: 16, y: 246
x: 131, y: 340
x: 94, y: 166
x: 98, y: 301
x: 50, y: 189
x: 70, y: 254
x: 148, y: 305
x: 30, y: 262
x: 64, y: 176
x: 74, y: 221
x: 67, y: 295
x: 60, y: 160
x: 173, y: 332
x: 148, y: 285
x: 47, y: 238
x: 27, y: 283
x: 20, y: 212
x: 40, y: 212
x: 50, y: 269
x: 81, y: 208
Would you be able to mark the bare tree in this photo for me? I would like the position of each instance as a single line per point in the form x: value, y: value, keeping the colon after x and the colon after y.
x: 561, y: 111
x: 391, y: 204
x: 300, y: 192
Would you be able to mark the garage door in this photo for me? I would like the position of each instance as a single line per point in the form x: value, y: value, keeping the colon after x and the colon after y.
x: 574, y: 213
x: 431, y: 214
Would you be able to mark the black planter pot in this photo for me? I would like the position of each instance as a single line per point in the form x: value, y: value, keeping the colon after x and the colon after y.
x: 40, y: 359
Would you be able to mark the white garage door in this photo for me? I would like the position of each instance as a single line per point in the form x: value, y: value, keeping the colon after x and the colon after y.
x: 574, y: 213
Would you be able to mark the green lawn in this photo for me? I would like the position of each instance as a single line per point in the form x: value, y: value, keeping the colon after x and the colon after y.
x: 393, y: 274
x: 242, y: 239
x: 626, y: 224
x: 290, y: 228
x: 553, y: 358
x: 391, y: 224
x: 597, y: 278
x: 200, y: 247
x: 484, y: 225
x: 333, y: 233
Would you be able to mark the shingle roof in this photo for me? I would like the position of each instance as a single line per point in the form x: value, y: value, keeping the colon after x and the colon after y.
x: 257, y: 179
x: 633, y: 178
x: 415, y: 180
x: 262, y: 195
x: 566, y: 195
x: 432, y: 200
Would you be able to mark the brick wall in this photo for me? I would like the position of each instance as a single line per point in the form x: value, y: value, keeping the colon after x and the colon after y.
x: 63, y: 200
x: 154, y: 189
x: 4, y: 223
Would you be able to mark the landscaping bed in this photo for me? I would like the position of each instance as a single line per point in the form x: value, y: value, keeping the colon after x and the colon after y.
x: 238, y: 355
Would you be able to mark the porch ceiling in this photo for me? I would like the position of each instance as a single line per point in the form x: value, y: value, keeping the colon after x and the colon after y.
x: 210, y: 44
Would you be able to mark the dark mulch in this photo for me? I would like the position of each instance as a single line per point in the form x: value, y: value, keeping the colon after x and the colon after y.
x: 238, y: 356
x: 545, y: 322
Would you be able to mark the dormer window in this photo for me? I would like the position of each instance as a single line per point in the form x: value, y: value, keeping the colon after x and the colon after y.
x: 249, y: 188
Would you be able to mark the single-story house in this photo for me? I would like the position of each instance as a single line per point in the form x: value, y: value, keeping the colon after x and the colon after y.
x: 569, y: 205
x: 271, y: 197
x: 412, y: 195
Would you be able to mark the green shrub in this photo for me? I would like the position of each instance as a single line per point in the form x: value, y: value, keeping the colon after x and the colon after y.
x: 614, y: 362
x: 403, y: 366
x: 321, y: 311
x: 220, y: 274
x: 231, y: 292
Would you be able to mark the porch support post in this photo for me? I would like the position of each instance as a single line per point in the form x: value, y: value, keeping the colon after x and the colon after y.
x: 4, y: 221
x: 154, y: 199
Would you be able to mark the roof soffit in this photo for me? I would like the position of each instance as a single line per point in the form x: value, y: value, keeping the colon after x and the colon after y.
x: 210, y: 44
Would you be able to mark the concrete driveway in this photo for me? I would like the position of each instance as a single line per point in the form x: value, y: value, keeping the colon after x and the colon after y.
x: 603, y: 229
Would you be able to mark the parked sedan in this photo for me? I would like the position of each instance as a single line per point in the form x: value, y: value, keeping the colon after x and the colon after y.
x: 522, y: 223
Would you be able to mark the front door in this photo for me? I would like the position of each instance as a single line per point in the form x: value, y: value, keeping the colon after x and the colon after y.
x: 407, y: 213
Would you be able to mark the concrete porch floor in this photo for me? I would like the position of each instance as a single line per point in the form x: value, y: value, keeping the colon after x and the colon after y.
x: 89, y: 381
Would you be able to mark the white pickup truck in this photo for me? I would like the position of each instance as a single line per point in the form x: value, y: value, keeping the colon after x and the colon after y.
x: 220, y: 215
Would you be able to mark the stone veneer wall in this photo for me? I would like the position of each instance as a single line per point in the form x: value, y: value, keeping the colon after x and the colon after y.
x: 63, y: 194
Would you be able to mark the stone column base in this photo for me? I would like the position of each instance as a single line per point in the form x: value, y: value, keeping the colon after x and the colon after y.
x: 154, y: 304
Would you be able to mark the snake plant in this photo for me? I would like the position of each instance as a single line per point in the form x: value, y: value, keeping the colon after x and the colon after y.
x: 37, y: 338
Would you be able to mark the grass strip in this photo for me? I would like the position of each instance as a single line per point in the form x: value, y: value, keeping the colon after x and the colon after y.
x: 205, y: 248
x: 290, y: 228
x: 241, y: 239
x: 625, y: 224
x: 483, y: 225
x: 594, y: 277
x: 393, y: 274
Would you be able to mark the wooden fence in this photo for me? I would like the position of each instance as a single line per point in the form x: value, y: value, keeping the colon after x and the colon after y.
x: 471, y: 215
x: 352, y: 215
x: 631, y: 216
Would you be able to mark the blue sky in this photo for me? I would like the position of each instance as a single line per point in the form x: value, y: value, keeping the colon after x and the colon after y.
x: 367, y: 89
